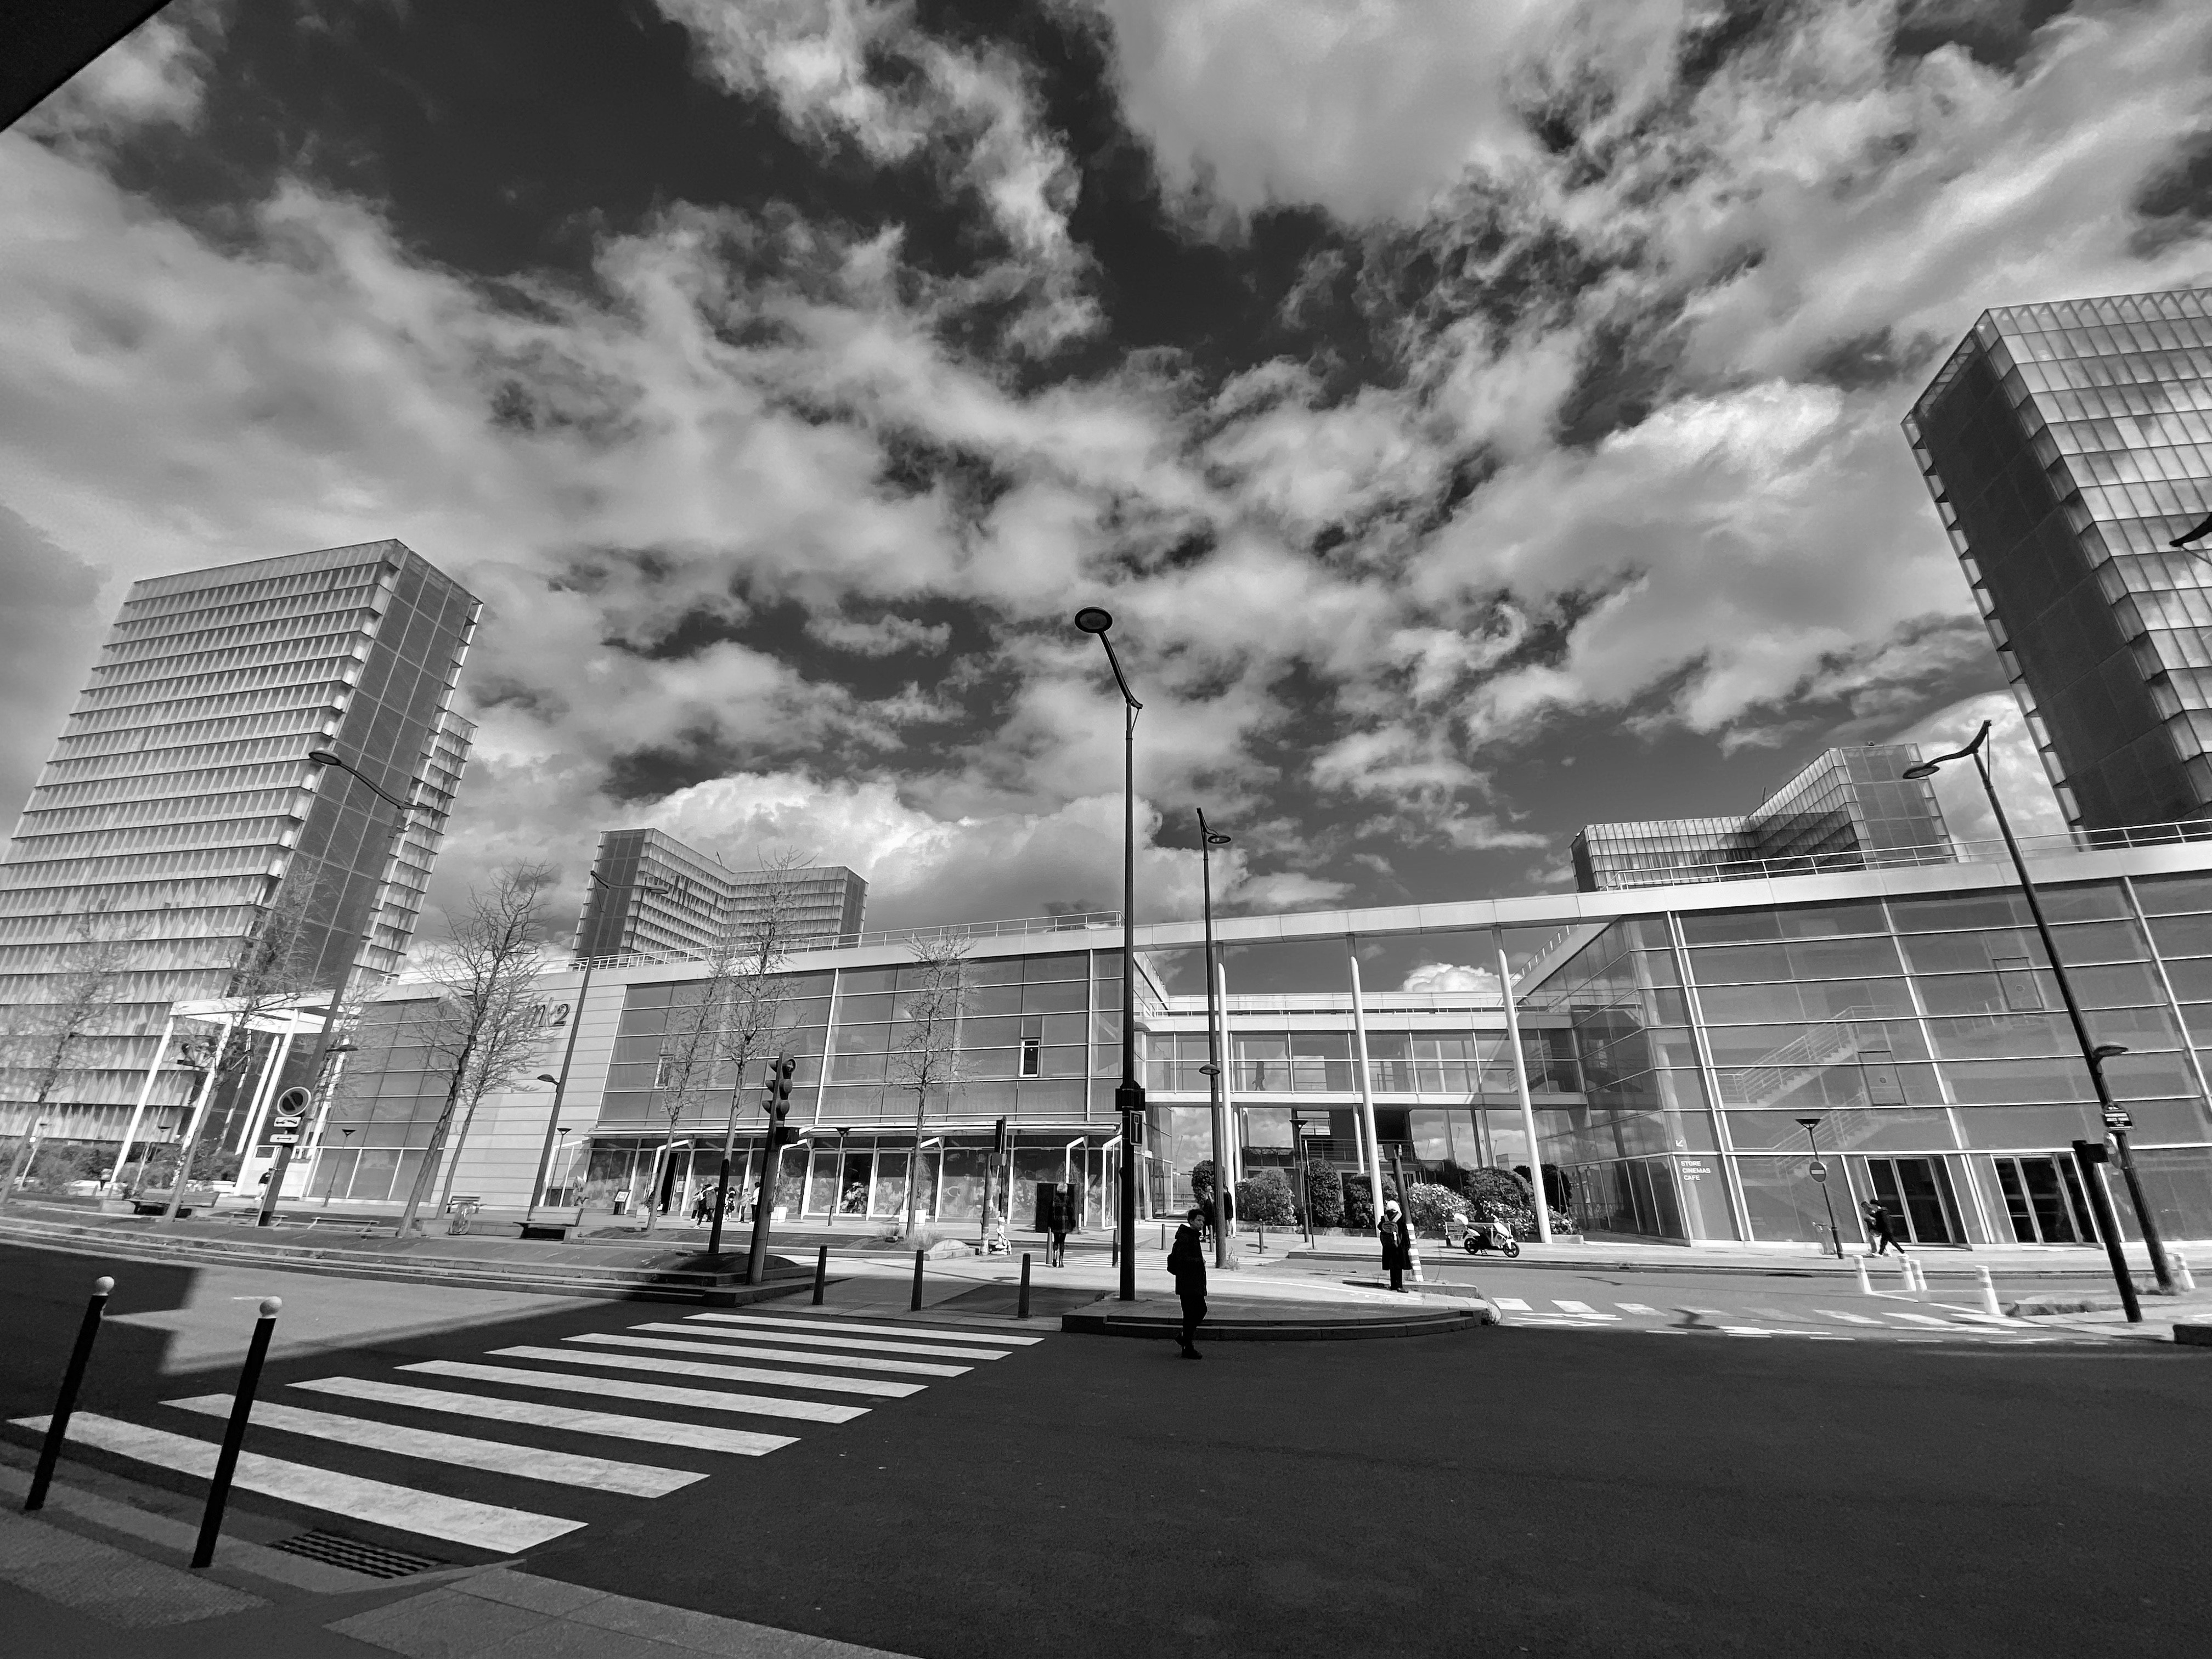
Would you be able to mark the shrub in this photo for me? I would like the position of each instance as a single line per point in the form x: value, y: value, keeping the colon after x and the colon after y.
x: 1431, y: 1207
x: 1201, y: 1184
x: 1265, y: 1200
x: 1358, y: 1204
x: 1325, y: 1193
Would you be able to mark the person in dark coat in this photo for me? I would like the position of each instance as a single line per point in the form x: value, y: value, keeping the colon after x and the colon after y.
x: 1063, y: 1217
x: 1186, y: 1262
x: 1877, y: 1226
x: 1397, y: 1243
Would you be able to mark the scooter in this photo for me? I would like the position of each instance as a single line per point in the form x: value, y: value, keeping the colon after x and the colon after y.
x: 1491, y: 1236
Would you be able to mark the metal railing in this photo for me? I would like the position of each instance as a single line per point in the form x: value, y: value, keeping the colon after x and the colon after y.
x: 1987, y: 851
x: 1019, y: 927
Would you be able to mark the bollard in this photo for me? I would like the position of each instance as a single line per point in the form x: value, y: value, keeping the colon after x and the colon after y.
x: 65, y: 1402
x: 1904, y: 1271
x: 1163, y: 1236
x: 1113, y: 1251
x: 1022, y: 1306
x: 821, y: 1274
x: 1866, y: 1285
x: 916, y: 1306
x: 1920, y: 1278
x: 2183, y: 1278
x: 1990, y: 1305
x: 233, y: 1434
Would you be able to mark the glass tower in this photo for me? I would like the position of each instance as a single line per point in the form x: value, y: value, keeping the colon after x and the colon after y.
x: 179, y: 805
x: 654, y: 893
x: 2066, y: 445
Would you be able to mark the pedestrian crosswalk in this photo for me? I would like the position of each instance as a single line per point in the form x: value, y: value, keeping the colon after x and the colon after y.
x: 1762, y: 1320
x: 514, y: 1413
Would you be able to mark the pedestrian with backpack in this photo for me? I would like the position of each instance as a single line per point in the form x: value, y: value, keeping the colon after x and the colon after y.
x: 1186, y: 1262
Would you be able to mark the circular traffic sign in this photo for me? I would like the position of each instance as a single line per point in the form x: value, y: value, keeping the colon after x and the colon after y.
x: 1819, y: 1171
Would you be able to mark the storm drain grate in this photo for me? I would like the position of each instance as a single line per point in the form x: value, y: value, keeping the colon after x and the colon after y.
x: 354, y: 1556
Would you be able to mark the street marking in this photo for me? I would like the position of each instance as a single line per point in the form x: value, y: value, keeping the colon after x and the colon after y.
x: 633, y: 1362
x: 660, y: 1393
x: 781, y: 1356
x: 1511, y: 1304
x: 432, y: 1515
x: 1746, y: 1330
x: 858, y: 1344
x: 1846, y: 1318
x: 654, y: 1430
x: 834, y: 1323
x: 531, y: 1463
x: 1782, y: 1313
x: 1638, y: 1307
x: 1924, y: 1319
x: 1582, y: 1310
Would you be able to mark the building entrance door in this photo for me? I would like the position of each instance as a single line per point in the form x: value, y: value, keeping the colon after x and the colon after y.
x: 2045, y: 1201
x: 1916, y: 1191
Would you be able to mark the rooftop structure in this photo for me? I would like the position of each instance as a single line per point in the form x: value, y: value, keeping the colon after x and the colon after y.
x: 652, y: 894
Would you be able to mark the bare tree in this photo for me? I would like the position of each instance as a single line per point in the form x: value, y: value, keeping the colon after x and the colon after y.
x: 927, y: 1055
x: 45, y: 1041
x: 482, y: 1036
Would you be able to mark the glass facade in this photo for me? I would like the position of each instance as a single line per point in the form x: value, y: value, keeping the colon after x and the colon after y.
x: 2066, y: 445
x: 701, y: 901
x: 1848, y: 810
x: 179, y: 805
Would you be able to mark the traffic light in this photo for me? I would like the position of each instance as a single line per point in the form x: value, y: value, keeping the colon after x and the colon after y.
x: 998, y: 1140
x: 776, y: 1098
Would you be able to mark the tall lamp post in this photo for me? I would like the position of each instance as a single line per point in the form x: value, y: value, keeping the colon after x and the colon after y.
x: 1820, y: 1174
x: 1207, y: 841
x: 1129, y: 1094
x: 2094, y: 1055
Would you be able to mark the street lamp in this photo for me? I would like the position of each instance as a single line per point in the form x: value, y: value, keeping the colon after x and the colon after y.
x: 2094, y: 1055
x: 1129, y: 1095
x: 1207, y: 841
x: 1820, y: 1174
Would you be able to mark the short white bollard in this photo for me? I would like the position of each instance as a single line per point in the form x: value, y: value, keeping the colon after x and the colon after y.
x: 1866, y: 1285
x: 1920, y: 1278
x: 2182, y: 1277
x: 1904, y: 1271
x: 1990, y: 1305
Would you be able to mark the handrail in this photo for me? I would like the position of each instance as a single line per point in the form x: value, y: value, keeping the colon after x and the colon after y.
x: 1019, y: 927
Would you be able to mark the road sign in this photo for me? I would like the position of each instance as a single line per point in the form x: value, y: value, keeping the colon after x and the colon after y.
x: 2115, y: 1118
x: 284, y: 1138
x: 1819, y: 1171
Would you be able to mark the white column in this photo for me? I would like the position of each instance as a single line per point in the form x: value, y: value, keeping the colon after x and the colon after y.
x: 1232, y: 1142
x: 1528, y: 1106
x: 1372, y: 1152
x: 145, y: 1093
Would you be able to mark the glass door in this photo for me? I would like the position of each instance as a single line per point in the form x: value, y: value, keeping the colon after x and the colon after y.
x: 2044, y: 1199
x: 1917, y: 1192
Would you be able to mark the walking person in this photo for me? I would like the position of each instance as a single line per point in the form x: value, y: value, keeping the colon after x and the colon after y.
x: 1397, y: 1243
x: 1186, y: 1262
x: 1877, y: 1226
x: 1063, y: 1205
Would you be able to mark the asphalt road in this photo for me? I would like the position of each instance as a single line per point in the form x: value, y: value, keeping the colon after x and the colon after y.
x: 1500, y: 1491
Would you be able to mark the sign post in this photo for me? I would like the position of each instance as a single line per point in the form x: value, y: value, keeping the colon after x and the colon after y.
x: 284, y: 1123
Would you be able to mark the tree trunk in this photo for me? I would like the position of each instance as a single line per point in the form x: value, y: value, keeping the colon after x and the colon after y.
x: 409, y: 1219
x: 454, y: 1164
x: 913, y: 1158
x: 660, y: 1176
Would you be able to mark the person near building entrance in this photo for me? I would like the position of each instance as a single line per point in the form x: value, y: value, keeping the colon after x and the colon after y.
x: 1877, y: 1226
x: 1397, y: 1237
x: 1063, y: 1209
x: 1186, y: 1262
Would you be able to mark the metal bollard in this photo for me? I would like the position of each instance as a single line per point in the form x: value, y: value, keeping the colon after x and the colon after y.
x: 916, y: 1306
x: 233, y: 1434
x: 821, y: 1274
x: 1022, y: 1306
x: 65, y: 1402
x: 1866, y: 1285
x: 1163, y: 1235
x: 2183, y: 1278
x: 1990, y: 1305
x: 1113, y: 1251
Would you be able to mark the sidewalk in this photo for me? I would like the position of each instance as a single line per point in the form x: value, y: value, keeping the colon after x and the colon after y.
x: 2018, y: 1262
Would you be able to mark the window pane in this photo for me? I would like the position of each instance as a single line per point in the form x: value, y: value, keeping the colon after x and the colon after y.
x: 2182, y: 936
x: 2163, y: 895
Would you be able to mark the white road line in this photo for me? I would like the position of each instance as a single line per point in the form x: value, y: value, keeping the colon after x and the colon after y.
x: 1748, y: 1330
x: 1782, y: 1313
x: 857, y: 1344
x: 1511, y: 1304
x: 1638, y: 1307
x: 530, y: 1462
x: 781, y: 1356
x: 637, y: 1362
x: 654, y: 1430
x: 430, y: 1514
x: 1581, y: 1309
x: 1924, y: 1319
x: 660, y: 1393
x: 1837, y: 1313
x: 935, y: 1333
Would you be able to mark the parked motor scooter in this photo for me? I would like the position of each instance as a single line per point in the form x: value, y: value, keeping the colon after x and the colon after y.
x: 1492, y: 1235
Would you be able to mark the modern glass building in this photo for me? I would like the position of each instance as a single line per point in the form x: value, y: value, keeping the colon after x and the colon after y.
x: 654, y: 894
x: 2066, y: 445
x: 179, y: 805
x: 1849, y: 808
x: 1670, y: 1038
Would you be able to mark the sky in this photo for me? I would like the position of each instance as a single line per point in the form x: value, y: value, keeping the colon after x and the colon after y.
x: 1479, y: 415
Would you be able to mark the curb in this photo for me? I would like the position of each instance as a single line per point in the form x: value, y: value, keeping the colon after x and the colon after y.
x: 1281, y: 1330
x: 2193, y: 1336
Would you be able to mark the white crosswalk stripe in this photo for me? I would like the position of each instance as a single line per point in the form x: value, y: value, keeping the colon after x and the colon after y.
x: 658, y: 1394
x: 433, y: 1515
x: 653, y: 1431
x: 1636, y: 1307
x: 932, y: 1333
x: 1917, y: 1319
x: 673, y: 1367
x: 1511, y: 1304
x: 781, y: 1356
x: 1581, y: 1309
x: 810, y: 1343
x: 531, y: 1462
x: 1846, y: 1318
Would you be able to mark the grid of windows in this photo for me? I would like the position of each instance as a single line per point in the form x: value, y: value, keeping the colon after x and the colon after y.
x: 653, y: 893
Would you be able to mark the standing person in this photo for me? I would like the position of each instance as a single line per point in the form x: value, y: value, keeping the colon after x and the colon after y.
x: 1397, y: 1243
x: 1186, y: 1262
x: 1877, y: 1226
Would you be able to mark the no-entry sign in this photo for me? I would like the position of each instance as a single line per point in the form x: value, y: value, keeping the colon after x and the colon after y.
x: 1819, y: 1171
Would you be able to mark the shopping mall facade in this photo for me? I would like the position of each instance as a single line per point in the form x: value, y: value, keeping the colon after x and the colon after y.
x: 1670, y: 1039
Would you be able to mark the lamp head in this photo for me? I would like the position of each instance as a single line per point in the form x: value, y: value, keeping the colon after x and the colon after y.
x: 548, y: 1077
x: 1925, y: 769
x: 1094, y: 619
x: 2106, y: 1050
x: 323, y: 758
x: 1215, y: 838
x: 1808, y: 1122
